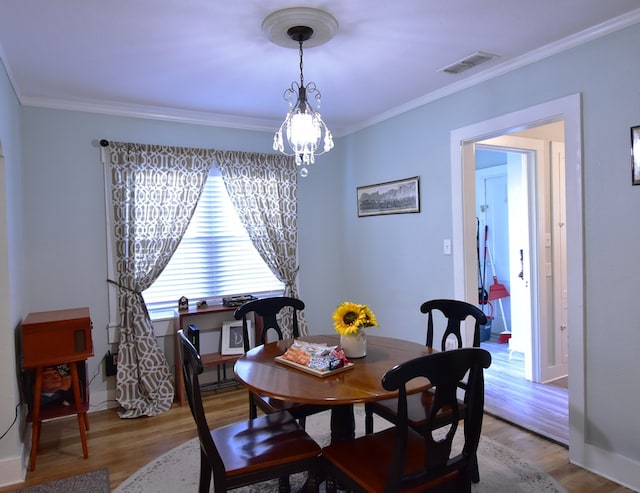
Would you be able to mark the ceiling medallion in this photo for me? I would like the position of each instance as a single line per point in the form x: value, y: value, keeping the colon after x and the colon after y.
x: 276, y: 25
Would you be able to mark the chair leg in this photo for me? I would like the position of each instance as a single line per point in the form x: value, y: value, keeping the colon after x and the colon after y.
x: 205, y: 474
x: 473, y: 467
x: 368, y: 419
x: 253, y: 412
x: 283, y: 484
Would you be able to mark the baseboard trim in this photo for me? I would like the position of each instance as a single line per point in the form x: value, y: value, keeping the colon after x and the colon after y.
x: 13, y: 470
x: 610, y: 465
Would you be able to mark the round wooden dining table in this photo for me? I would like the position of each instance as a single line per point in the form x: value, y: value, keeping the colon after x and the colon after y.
x: 259, y: 371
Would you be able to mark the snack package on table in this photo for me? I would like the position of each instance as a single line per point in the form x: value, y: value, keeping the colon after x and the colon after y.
x: 316, y: 356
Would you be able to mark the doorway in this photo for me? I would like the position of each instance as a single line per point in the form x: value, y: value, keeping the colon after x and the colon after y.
x: 520, y: 202
x: 464, y: 226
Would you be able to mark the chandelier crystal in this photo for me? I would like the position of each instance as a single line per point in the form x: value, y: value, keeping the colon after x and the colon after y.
x: 303, y: 134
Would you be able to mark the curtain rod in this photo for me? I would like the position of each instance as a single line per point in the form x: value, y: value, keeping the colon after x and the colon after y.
x: 104, y: 143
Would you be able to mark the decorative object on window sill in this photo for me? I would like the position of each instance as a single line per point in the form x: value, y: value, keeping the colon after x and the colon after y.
x: 391, y: 197
x: 305, y: 134
x: 183, y: 304
x: 238, y: 300
x: 201, y: 304
x: 350, y: 320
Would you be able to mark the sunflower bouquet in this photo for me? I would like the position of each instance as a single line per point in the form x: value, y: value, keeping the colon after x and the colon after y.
x: 350, y: 317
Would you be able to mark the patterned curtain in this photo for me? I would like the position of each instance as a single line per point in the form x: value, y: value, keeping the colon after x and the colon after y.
x: 263, y: 190
x: 154, y: 193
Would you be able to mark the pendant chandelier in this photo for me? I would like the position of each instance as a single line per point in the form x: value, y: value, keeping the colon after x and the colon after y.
x: 303, y: 134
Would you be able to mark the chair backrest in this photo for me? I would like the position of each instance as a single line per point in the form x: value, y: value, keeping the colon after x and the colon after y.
x: 192, y: 367
x: 455, y: 312
x: 268, y: 309
x: 444, y: 370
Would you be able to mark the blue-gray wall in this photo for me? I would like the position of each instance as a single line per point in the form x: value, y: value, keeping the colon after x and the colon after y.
x: 12, y: 282
x: 392, y: 263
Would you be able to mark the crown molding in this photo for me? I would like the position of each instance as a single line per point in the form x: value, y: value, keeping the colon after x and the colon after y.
x: 156, y: 113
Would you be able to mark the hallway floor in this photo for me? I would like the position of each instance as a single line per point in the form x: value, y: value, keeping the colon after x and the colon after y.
x: 542, y: 409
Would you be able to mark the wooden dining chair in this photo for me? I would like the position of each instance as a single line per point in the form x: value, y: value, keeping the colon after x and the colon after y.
x: 269, y: 309
x: 454, y: 313
x: 247, y: 452
x: 401, y: 459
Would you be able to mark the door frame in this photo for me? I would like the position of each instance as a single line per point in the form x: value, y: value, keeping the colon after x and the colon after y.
x: 567, y: 109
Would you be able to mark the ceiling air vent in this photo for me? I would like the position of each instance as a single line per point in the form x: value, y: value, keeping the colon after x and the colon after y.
x: 468, y: 62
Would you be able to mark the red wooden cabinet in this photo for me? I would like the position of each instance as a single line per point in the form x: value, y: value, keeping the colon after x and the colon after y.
x: 51, y: 338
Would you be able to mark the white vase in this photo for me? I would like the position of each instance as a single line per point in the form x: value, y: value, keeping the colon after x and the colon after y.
x: 354, y: 345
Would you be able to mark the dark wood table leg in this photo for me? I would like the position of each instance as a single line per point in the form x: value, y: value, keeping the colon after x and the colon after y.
x: 343, y: 424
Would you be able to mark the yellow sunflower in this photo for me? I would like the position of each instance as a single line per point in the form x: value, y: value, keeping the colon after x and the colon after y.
x: 369, y: 317
x: 350, y: 317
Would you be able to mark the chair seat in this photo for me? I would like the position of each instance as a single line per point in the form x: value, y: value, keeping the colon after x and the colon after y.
x: 356, y: 460
x: 441, y: 456
x: 263, y: 443
x: 248, y: 452
x: 417, y: 406
x: 453, y: 312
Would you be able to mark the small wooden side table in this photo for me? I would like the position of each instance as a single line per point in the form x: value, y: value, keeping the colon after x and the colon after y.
x: 209, y: 359
x: 53, y: 338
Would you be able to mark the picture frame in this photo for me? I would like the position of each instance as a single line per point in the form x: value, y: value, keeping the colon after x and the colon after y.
x: 232, y: 340
x: 635, y: 155
x: 391, y: 197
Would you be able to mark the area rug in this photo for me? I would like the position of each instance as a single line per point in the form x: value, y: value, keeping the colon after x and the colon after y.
x: 501, y: 471
x: 90, y: 482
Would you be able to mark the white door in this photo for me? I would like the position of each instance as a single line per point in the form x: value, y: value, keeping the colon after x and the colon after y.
x: 523, y: 327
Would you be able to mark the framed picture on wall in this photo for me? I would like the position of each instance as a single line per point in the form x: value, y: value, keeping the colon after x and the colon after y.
x: 635, y: 155
x: 232, y: 341
x: 391, y: 197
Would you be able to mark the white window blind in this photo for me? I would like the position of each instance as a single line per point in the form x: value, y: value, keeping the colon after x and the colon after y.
x: 215, y: 257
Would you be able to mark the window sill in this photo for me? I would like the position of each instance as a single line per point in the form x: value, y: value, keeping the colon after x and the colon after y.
x: 163, y: 319
x: 161, y: 315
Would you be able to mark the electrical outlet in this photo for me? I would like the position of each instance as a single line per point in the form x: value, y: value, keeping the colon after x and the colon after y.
x: 447, y: 247
x: 111, y: 364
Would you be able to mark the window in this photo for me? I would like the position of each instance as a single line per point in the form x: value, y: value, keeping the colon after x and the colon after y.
x: 215, y: 257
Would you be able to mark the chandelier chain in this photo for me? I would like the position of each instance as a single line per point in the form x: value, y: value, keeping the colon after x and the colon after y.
x: 301, y: 74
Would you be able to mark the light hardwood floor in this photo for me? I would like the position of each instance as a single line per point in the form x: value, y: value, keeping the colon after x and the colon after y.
x: 124, y: 446
x: 542, y: 409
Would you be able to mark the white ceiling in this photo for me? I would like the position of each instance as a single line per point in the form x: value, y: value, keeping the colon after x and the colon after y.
x: 208, y: 61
